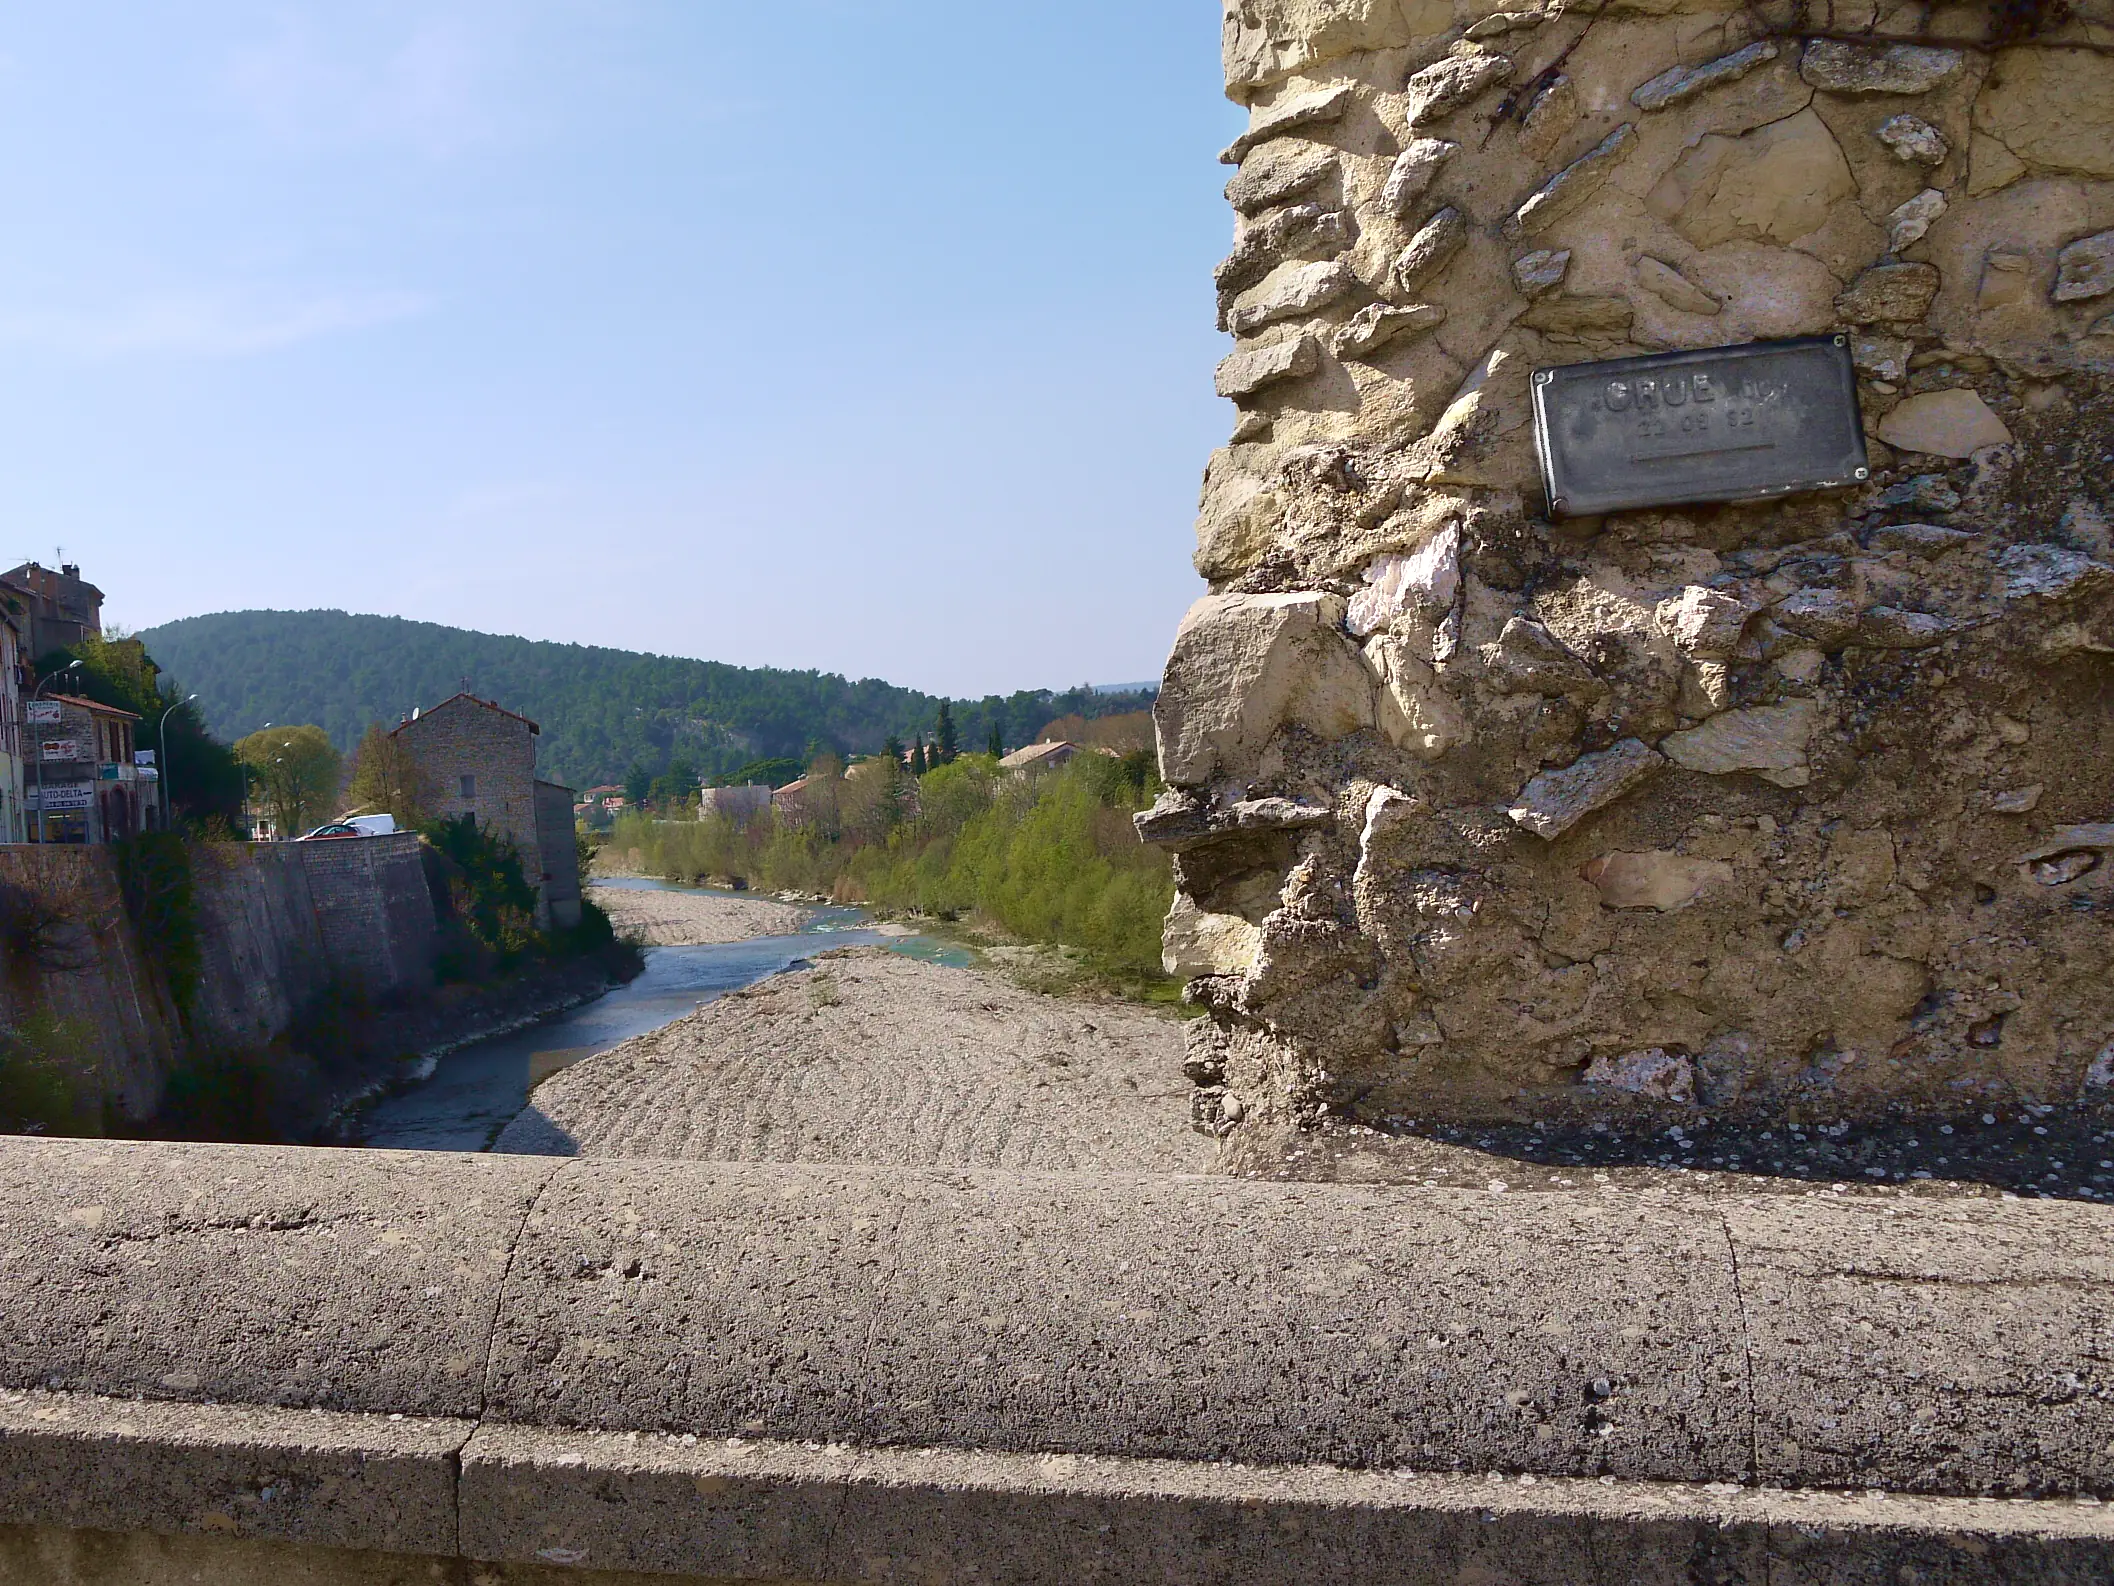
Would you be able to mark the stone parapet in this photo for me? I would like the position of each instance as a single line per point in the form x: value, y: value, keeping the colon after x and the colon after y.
x: 756, y: 1371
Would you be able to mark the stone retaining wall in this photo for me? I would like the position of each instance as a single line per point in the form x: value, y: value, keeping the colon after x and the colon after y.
x: 1792, y: 809
x: 753, y: 1371
x: 277, y: 924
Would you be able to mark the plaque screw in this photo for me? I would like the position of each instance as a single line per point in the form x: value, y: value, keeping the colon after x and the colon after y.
x: 1842, y: 341
x: 1864, y: 473
x: 1556, y: 503
x: 1544, y: 376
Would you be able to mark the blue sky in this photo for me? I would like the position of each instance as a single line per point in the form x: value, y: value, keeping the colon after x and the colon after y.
x: 873, y: 337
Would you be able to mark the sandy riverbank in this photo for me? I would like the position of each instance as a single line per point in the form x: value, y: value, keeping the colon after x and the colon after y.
x: 872, y: 1057
x: 694, y: 919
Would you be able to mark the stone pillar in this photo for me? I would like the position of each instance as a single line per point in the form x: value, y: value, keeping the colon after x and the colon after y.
x: 1796, y: 807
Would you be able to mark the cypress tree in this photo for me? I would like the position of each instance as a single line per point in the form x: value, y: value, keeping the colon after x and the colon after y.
x: 998, y: 743
x: 918, y: 765
x: 944, y: 733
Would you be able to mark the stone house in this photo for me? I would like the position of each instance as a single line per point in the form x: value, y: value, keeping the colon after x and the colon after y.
x: 81, y: 774
x: 1037, y: 758
x: 59, y: 609
x: 738, y: 804
x: 479, y: 759
x: 12, y: 622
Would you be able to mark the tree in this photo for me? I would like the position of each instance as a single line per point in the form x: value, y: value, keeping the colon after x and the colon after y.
x: 943, y: 733
x: 998, y: 743
x: 386, y: 780
x: 205, y: 781
x: 919, y: 764
x: 892, y: 748
x: 638, y: 786
x: 296, y: 772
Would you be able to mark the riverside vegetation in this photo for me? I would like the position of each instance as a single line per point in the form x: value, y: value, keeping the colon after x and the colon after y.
x: 1053, y: 859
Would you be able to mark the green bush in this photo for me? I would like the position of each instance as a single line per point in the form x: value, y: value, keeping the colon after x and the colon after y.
x: 154, y: 874
x: 39, y: 1060
x: 1054, y: 859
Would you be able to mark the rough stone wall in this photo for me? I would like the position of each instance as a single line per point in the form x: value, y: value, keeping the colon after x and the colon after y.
x: 277, y: 923
x: 557, y: 853
x: 1798, y: 807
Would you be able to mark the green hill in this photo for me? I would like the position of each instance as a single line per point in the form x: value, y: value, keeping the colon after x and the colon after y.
x: 602, y: 711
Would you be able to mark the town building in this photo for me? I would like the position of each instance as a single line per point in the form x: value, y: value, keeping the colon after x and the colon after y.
x: 479, y: 759
x: 61, y: 608
x: 83, y: 782
x: 1037, y: 758
x: 738, y: 804
x: 13, y: 619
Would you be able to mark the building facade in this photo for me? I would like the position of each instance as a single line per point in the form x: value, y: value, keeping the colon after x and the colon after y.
x: 479, y: 760
x: 82, y: 780
x: 13, y: 819
x: 59, y: 607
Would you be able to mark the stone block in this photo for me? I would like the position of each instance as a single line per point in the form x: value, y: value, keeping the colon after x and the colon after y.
x: 2085, y: 269
x: 1895, y: 293
x: 1555, y: 801
x: 1244, y: 372
x: 1444, y: 86
x: 1840, y: 67
x: 1769, y: 740
x: 1954, y: 423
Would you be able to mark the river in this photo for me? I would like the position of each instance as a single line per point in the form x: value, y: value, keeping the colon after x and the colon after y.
x: 476, y: 1090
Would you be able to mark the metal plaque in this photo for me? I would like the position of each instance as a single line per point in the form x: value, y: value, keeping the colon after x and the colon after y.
x: 44, y: 713
x: 1719, y: 424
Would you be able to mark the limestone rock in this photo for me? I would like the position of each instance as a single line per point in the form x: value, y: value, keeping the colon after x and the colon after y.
x: 1277, y: 173
x: 1914, y: 141
x: 1826, y: 616
x: 1267, y: 40
x: 1290, y: 292
x: 1843, y: 68
x: 1769, y: 740
x: 1655, y: 1074
x: 1890, y: 628
x: 1921, y: 493
x: 1705, y: 623
x: 1501, y: 22
x: 1414, y: 709
x: 1319, y: 108
x: 1195, y: 943
x: 2050, y: 109
x: 1895, y: 293
x: 1244, y: 666
x: 1883, y: 358
x: 1285, y: 233
x: 1685, y: 82
x: 1247, y: 371
x: 1555, y: 801
x: 1570, y: 188
x: 1413, y: 172
x: 1436, y: 242
x: 1179, y: 820
x: 1911, y: 220
x: 1540, y: 271
x: 1446, y: 85
x: 1919, y: 539
x: 1954, y: 423
x: 1423, y: 584
x: 1528, y: 659
x: 2085, y: 269
x: 1673, y: 289
x: 1549, y: 117
x: 1777, y: 183
x: 1657, y: 879
x: 1377, y: 324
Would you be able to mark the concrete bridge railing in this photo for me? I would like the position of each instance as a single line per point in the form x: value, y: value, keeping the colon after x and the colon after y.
x: 241, y: 1363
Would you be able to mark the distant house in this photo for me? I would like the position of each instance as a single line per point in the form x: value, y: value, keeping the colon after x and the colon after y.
x: 738, y: 804
x: 789, y: 803
x: 14, y: 618
x: 480, y: 760
x: 1037, y: 758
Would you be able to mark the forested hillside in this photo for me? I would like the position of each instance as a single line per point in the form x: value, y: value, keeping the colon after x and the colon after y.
x: 603, y: 712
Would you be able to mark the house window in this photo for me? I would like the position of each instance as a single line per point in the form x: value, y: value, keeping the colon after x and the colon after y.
x: 469, y: 787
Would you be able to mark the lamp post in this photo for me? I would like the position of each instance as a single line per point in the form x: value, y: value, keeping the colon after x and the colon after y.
x: 161, y: 770
x: 42, y: 814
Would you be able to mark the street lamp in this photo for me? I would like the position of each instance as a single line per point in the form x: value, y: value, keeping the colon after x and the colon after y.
x: 162, y: 770
x: 42, y: 815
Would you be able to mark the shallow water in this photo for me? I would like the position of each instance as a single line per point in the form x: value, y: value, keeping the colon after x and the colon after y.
x: 475, y: 1092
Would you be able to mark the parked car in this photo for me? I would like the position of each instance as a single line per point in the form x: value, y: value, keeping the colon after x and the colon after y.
x: 353, y: 826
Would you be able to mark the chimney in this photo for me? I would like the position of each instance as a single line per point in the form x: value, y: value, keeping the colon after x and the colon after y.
x: 70, y: 569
